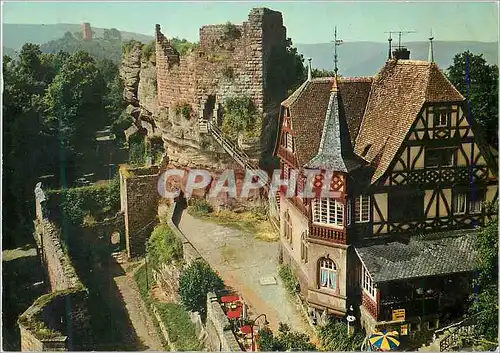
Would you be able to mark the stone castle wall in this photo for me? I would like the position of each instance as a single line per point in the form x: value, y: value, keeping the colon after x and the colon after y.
x: 44, y: 325
x: 222, y: 66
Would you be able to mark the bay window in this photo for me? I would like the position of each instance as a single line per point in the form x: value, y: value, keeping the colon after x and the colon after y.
x: 328, y: 211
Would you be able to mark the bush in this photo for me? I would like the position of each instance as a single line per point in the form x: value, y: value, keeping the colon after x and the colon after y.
x: 183, y: 109
x: 137, y: 150
x: 182, y: 46
x: 180, y: 329
x: 90, y: 203
x: 195, y: 282
x: 200, y: 207
x: 285, y: 340
x: 231, y: 31
x: 240, y: 116
x: 163, y: 247
x: 129, y: 45
x: 333, y: 337
x: 149, y: 51
x: 286, y: 274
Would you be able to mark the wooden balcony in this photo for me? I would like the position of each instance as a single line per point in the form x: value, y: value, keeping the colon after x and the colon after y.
x: 327, y: 233
x: 287, y: 155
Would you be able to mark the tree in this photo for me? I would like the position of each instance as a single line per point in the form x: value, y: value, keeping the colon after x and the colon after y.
x: 112, y: 35
x: 322, y: 73
x: 195, y: 282
x: 482, y: 90
x: 485, y: 302
x: 285, y: 340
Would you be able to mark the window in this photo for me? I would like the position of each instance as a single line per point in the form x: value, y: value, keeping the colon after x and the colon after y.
x: 439, y: 157
x: 442, y: 118
x: 327, y: 274
x: 349, y: 211
x: 367, y: 283
x: 459, y: 203
x: 286, y: 171
x: 406, y: 205
x: 328, y: 211
x: 288, y: 227
x: 303, y: 247
x: 362, y: 209
x: 470, y: 202
x: 293, y: 179
x: 289, y: 141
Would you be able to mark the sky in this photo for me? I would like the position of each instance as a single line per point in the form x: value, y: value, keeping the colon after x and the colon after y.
x: 306, y: 22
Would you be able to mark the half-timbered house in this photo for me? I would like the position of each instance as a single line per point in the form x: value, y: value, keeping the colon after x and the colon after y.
x: 411, y: 173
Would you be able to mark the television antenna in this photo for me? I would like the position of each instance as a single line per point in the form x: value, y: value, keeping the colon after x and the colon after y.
x: 400, y: 34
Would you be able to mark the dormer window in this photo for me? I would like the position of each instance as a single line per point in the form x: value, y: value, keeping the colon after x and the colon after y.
x: 328, y: 212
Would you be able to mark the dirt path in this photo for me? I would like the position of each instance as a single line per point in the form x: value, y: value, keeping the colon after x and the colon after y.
x: 243, y: 262
x: 142, y: 322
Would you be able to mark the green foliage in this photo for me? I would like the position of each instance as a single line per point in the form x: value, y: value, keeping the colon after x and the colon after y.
x: 163, y: 247
x: 322, y: 73
x: 483, y: 90
x: 98, y: 201
x: 240, y: 116
x: 180, y: 329
x: 228, y: 72
x: 286, y: 70
x: 289, y: 280
x: 333, y: 337
x: 231, y: 31
x: 199, y: 207
x: 183, y: 46
x: 107, y: 47
x: 157, y: 149
x: 137, y: 150
x: 195, y: 282
x: 486, y: 301
x: 149, y: 51
x: 183, y: 109
x: 285, y: 340
x: 143, y: 283
x: 129, y: 45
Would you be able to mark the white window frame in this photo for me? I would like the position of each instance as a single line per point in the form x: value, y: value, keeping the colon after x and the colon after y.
x: 286, y: 171
x: 289, y: 141
x: 329, y: 212
x: 440, y: 116
x: 367, y: 284
x: 288, y: 231
x: 349, y: 212
x: 362, y: 209
x: 327, y: 271
x: 468, y: 206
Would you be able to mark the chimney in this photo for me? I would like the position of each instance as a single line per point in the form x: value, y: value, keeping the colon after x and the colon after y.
x: 309, y: 70
x: 401, y: 53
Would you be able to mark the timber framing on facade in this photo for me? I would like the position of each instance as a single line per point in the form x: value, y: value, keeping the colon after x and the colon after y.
x: 412, y: 174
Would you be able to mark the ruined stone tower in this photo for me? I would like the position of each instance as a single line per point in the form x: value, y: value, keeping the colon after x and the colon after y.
x: 230, y: 61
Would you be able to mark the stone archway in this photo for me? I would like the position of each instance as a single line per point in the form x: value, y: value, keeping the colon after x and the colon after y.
x: 208, y: 110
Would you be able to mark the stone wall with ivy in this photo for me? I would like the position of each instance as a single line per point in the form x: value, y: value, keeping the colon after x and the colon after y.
x: 58, y: 320
x: 229, y: 61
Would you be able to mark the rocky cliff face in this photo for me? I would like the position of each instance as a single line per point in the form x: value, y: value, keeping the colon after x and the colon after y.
x: 182, y: 142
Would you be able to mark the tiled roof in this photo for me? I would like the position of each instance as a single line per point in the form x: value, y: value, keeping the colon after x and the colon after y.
x: 434, y: 255
x: 308, y: 106
x: 335, y: 149
x: 397, y: 95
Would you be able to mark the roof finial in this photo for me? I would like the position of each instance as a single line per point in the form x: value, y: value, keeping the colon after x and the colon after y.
x: 309, y: 70
x: 431, y: 49
x: 336, y: 43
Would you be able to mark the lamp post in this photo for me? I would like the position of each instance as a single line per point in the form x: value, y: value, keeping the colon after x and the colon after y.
x: 350, y: 319
x: 253, y: 324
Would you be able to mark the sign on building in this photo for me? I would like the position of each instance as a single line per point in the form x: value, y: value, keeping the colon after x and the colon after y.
x: 398, y: 315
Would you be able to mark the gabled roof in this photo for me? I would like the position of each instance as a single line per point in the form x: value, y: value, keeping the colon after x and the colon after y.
x: 308, y: 106
x: 439, y: 254
x: 335, y: 149
x: 397, y: 95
